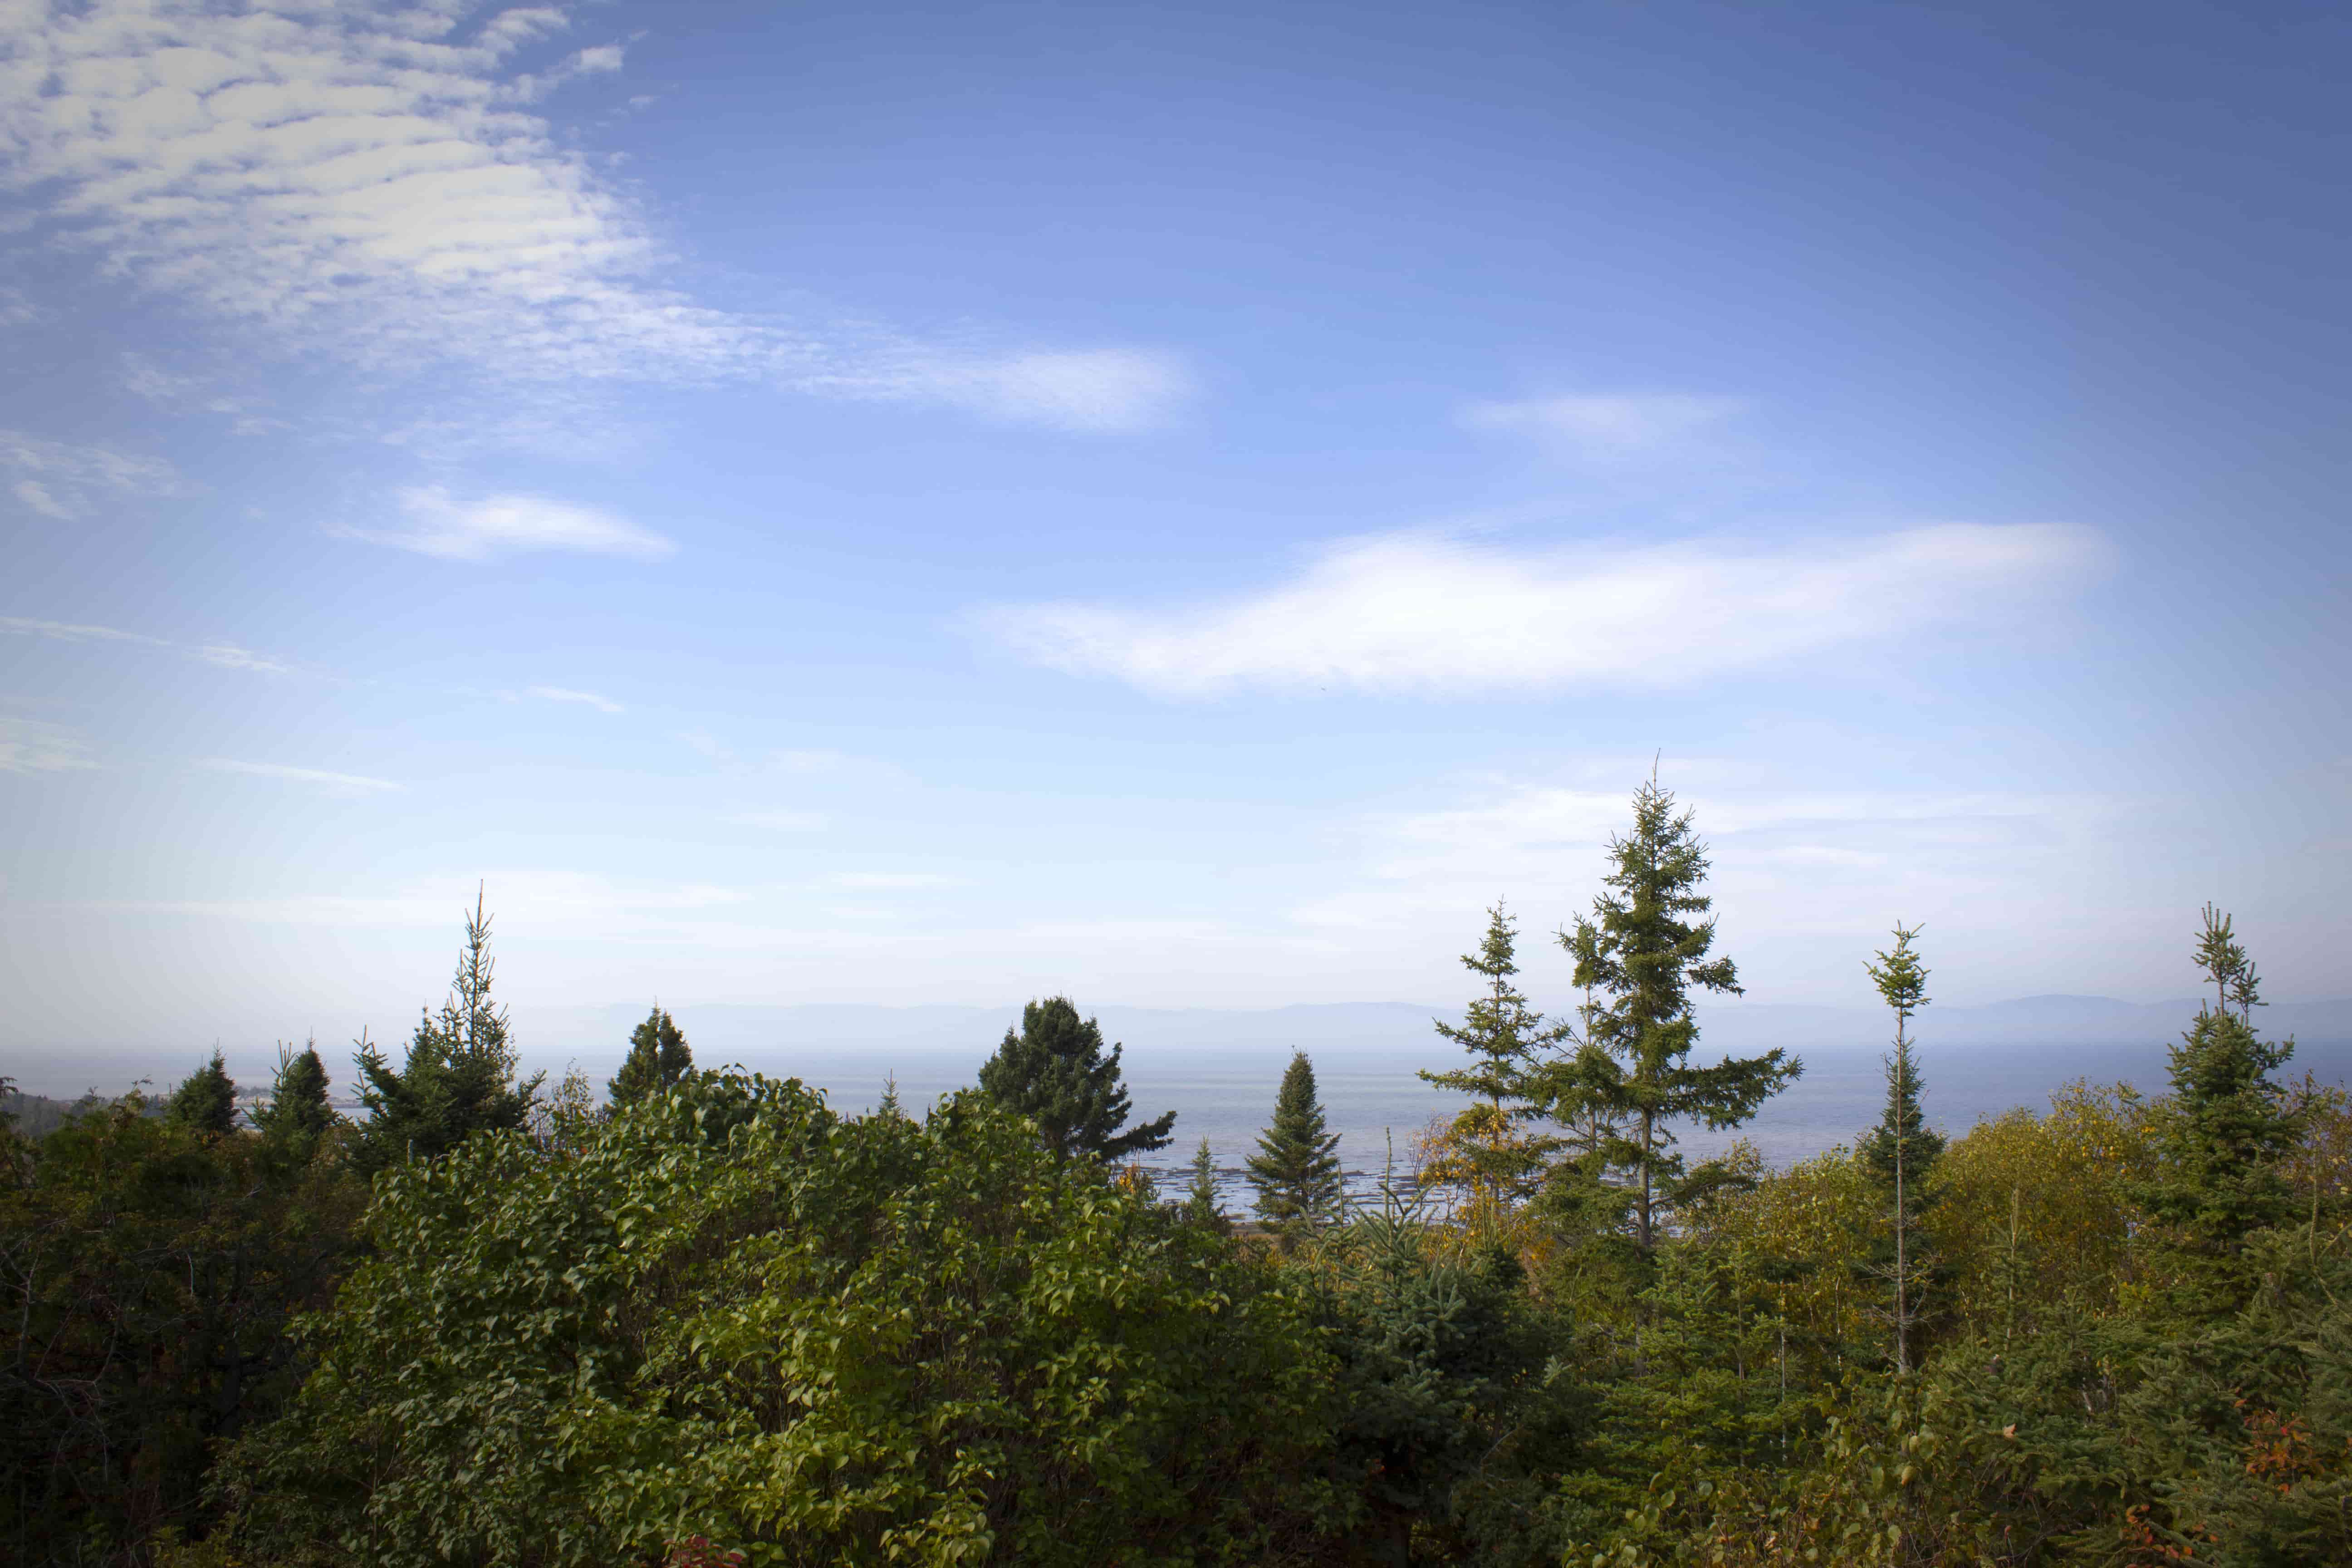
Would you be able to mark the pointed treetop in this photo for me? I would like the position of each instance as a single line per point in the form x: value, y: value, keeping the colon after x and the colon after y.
x: 1898, y: 976
x: 2223, y: 959
x: 1297, y: 1169
x: 206, y: 1100
x: 658, y: 1058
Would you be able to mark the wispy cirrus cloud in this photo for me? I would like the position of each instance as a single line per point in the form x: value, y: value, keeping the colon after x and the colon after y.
x: 494, y: 526
x: 30, y: 746
x: 565, y: 694
x: 1607, y: 426
x: 376, y: 182
x: 334, y: 783
x: 61, y: 481
x: 1430, y: 615
x: 220, y: 655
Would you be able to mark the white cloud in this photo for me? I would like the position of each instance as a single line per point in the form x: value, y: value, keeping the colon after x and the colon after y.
x: 585, y: 698
x: 372, y: 180
x: 346, y: 784
x: 228, y: 656
x: 220, y: 655
x: 1103, y: 389
x: 511, y: 525
x: 61, y: 482
x: 28, y: 746
x: 1606, y: 427
x: 1423, y: 615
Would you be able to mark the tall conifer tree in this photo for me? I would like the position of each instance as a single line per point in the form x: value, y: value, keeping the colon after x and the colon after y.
x: 299, y: 1113
x: 1641, y: 954
x: 1901, y: 1150
x: 658, y: 1058
x: 1053, y: 1071
x: 1512, y: 1051
x: 1295, y: 1170
x: 458, y: 1077
x: 1201, y: 1202
x: 207, y: 1098
x: 2221, y: 1139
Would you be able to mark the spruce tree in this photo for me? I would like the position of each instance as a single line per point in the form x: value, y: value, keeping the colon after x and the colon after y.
x: 207, y: 1098
x: 658, y: 1058
x: 297, y: 1114
x: 2221, y: 1139
x: 458, y: 1077
x: 1294, y: 1170
x: 1053, y: 1070
x: 1512, y: 1052
x: 1642, y: 952
x: 1900, y: 1151
x: 1201, y: 1203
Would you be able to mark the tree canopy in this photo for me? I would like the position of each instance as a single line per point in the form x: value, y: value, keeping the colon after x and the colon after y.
x: 1054, y: 1072
x: 658, y: 1058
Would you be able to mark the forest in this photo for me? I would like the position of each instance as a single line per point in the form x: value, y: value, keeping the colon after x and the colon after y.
x: 701, y: 1319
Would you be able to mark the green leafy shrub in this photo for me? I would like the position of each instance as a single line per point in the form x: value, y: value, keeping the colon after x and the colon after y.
x: 731, y: 1322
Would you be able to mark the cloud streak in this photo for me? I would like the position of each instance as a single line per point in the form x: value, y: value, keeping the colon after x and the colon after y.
x: 584, y: 699
x: 375, y: 182
x: 1608, y: 426
x: 61, y: 482
x: 220, y: 655
x: 502, y: 525
x: 1422, y: 615
x: 334, y: 783
x: 28, y: 746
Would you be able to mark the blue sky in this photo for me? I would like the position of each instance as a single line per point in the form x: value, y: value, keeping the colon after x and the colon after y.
x: 1184, y: 504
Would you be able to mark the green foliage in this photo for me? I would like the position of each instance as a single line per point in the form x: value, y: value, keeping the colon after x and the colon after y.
x: 1294, y: 1170
x: 206, y: 1100
x: 1448, y: 1411
x: 1645, y: 949
x: 1512, y: 1053
x: 658, y: 1058
x: 734, y: 1316
x: 2221, y: 1141
x: 298, y: 1114
x: 148, y: 1269
x: 1053, y: 1071
x: 1202, y: 1203
x: 458, y: 1077
x: 1900, y: 1154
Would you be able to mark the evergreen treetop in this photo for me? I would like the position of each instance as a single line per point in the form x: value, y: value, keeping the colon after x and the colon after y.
x: 2221, y: 1139
x: 458, y: 1077
x: 207, y: 1098
x: 1053, y: 1071
x: 658, y: 1058
x: 1295, y: 1170
x: 1646, y: 948
x: 299, y: 1113
x: 1901, y: 1150
x: 1902, y: 1141
x: 1201, y: 1203
x: 1513, y: 1054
